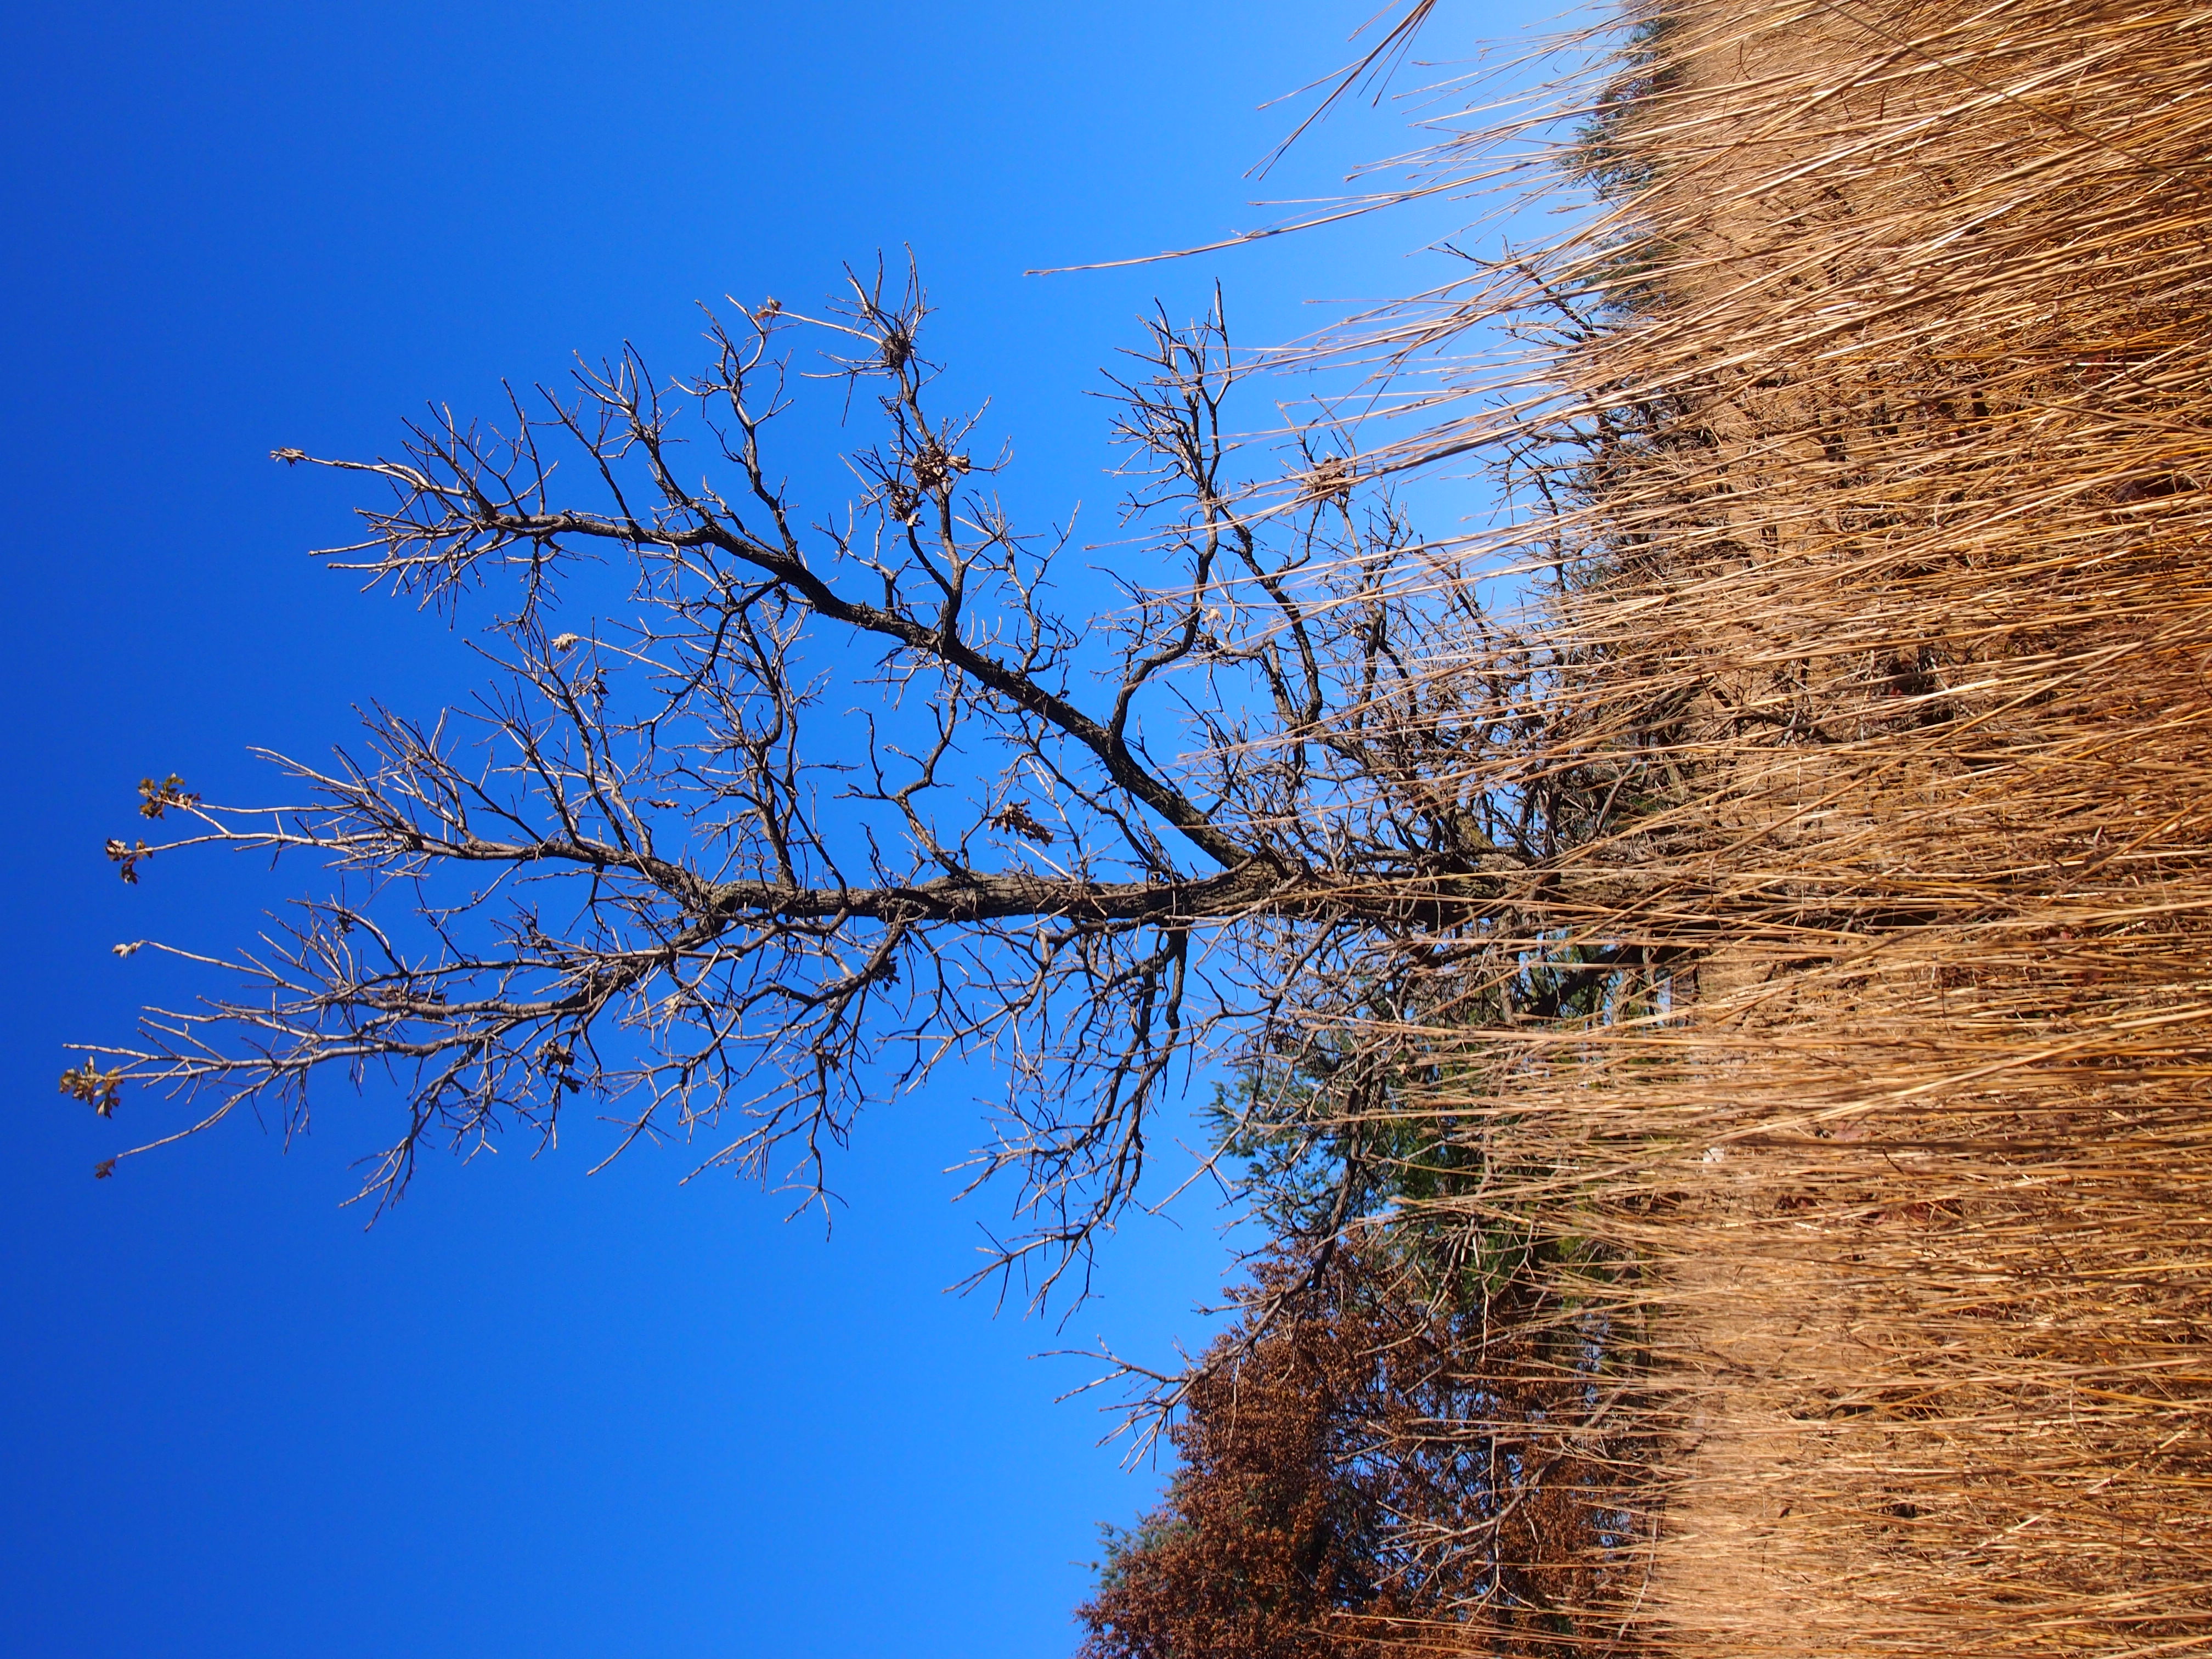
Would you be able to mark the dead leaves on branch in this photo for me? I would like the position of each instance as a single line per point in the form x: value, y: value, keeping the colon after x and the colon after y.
x: 156, y: 796
x: 97, y: 1089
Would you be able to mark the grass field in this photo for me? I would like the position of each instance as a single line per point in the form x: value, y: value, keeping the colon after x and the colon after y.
x: 1877, y: 478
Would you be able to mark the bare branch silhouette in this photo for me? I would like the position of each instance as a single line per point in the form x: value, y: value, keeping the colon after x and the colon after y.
x: 653, y: 862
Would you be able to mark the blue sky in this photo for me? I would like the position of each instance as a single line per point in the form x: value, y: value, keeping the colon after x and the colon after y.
x: 529, y: 1413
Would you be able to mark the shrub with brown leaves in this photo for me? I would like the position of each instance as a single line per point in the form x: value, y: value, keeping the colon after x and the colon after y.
x: 1371, y: 1472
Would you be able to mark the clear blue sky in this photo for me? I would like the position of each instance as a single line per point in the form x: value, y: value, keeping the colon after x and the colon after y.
x: 529, y: 1413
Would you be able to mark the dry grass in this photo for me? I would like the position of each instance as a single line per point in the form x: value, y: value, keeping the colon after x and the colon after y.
x: 1884, y: 644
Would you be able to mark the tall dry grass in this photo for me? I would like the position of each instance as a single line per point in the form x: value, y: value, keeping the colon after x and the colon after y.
x: 1877, y: 452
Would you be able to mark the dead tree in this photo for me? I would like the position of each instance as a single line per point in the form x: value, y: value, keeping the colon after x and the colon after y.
x: 757, y: 817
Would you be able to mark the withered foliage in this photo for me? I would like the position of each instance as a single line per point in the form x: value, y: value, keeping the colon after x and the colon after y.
x: 1862, y: 423
x: 1867, y: 435
x: 1368, y: 1467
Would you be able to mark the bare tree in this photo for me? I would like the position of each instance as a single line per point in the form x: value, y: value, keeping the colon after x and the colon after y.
x: 656, y: 863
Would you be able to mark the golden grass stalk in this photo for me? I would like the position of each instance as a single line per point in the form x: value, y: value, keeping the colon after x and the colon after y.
x: 1873, y: 460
